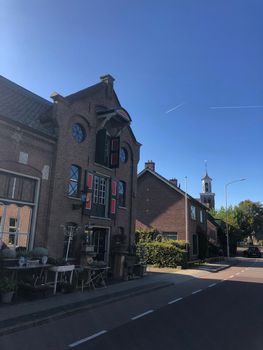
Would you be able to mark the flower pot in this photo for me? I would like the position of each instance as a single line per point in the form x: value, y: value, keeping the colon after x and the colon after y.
x: 7, y: 297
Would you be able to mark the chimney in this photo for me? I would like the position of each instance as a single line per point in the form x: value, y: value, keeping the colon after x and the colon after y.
x: 173, y: 182
x: 150, y: 165
x: 108, y: 79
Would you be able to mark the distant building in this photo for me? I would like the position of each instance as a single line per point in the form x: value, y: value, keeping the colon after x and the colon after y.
x: 161, y: 206
x: 70, y: 163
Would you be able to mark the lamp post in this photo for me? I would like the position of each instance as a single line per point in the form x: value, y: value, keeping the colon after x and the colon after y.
x: 227, y: 231
x: 186, y: 211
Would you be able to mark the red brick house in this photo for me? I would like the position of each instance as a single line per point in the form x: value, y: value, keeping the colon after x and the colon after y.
x: 70, y: 163
x: 161, y: 204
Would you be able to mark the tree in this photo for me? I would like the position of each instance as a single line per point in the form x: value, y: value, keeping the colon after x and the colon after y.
x: 249, y: 217
x: 244, y: 219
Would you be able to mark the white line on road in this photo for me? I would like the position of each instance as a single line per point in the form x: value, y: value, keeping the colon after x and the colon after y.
x: 238, y: 273
x: 86, y: 339
x: 212, y: 285
x: 243, y: 271
x: 174, y: 301
x: 197, y: 291
x: 231, y: 276
x: 141, y: 315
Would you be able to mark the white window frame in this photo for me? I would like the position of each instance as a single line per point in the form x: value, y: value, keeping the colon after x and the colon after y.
x: 33, y: 205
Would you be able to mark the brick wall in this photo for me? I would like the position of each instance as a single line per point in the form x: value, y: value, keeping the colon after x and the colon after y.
x: 163, y: 208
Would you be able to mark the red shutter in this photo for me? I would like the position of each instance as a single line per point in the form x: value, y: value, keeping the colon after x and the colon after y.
x: 113, y: 206
x: 114, y: 152
x: 113, y: 188
x: 88, y: 190
x: 113, y: 199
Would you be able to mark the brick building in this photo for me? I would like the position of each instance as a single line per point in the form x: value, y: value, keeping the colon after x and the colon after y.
x: 161, y: 205
x: 70, y: 163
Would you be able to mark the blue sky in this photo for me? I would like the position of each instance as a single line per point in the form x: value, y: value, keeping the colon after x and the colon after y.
x: 186, y: 53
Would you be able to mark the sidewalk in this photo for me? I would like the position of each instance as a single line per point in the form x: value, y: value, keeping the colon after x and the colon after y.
x: 28, y: 314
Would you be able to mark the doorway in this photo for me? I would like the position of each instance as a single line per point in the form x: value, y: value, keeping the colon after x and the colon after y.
x: 100, y: 240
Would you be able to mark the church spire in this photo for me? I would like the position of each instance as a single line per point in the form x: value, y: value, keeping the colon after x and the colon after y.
x: 207, y: 197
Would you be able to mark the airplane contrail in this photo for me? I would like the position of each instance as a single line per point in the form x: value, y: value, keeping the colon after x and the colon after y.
x: 174, y: 108
x: 235, y: 107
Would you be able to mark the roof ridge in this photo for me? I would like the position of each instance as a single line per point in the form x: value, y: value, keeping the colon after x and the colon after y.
x: 83, y: 91
x: 21, y: 89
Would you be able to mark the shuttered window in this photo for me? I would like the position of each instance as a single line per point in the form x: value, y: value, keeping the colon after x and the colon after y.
x: 107, y: 149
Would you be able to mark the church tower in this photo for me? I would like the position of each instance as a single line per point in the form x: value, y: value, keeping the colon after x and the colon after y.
x: 207, y: 197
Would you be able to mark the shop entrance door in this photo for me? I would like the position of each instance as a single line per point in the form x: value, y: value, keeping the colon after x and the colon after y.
x: 100, y: 242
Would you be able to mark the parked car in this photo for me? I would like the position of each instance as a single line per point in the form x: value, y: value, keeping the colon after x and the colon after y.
x: 252, y: 252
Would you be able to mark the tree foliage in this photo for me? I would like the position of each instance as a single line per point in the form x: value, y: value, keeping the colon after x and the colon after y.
x: 245, y: 219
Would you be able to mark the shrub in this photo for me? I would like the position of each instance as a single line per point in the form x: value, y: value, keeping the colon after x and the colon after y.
x: 146, y: 236
x: 162, y: 254
x: 7, y: 285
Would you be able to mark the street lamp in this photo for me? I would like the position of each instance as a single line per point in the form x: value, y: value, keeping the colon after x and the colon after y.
x: 227, y: 232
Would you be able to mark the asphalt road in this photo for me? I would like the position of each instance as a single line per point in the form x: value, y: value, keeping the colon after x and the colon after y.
x: 214, y: 311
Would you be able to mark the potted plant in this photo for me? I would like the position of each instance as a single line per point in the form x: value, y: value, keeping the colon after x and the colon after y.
x: 22, y: 254
x: 39, y: 254
x: 7, y: 289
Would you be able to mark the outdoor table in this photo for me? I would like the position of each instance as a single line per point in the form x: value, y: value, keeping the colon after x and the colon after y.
x: 61, y: 270
x: 96, y: 274
x: 39, y: 269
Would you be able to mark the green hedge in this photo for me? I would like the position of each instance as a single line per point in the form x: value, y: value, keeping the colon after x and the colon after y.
x: 162, y: 254
x: 146, y: 236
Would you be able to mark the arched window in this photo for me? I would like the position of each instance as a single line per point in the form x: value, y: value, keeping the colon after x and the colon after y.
x: 206, y: 187
x: 74, y: 181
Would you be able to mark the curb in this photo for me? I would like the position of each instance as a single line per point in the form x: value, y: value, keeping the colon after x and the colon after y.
x: 77, y: 307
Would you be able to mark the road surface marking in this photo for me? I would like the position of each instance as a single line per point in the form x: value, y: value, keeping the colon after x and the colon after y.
x: 197, y: 291
x: 141, y: 315
x: 243, y: 271
x: 212, y: 285
x: 174, y: 301
x: 238, y: 273
x: 87, y: 339
x: 231, y: 276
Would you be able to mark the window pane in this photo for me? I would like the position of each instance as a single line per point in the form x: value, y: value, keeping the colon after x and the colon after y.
x: 3, y: 185
x: 121, y: 193
x: 74, y: 172
x: 17, y: 187
x: 193, y: 214
x: 73, y: 188
x: 28, y: 190
x: 74, y: 181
